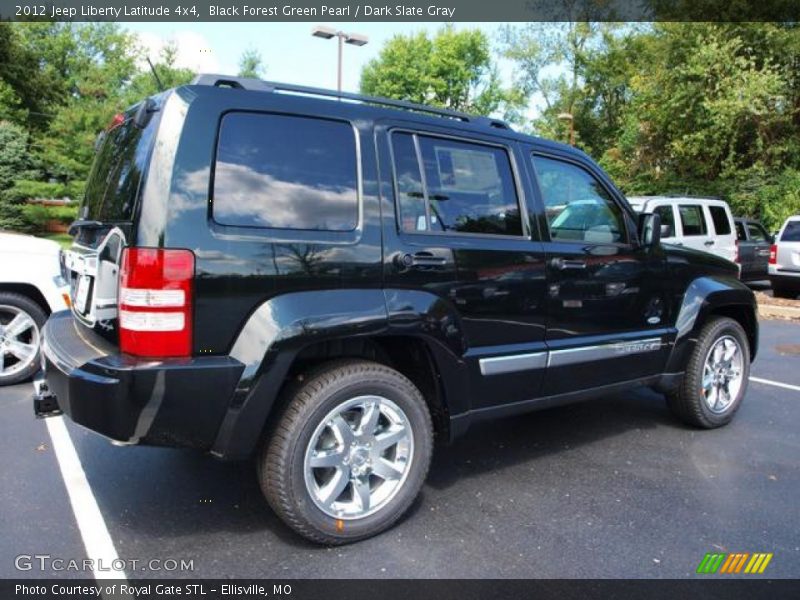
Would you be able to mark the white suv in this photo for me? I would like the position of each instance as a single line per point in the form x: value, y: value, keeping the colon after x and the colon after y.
x: 31, y: 287
x: 700, y: 223
x: 784, y: 260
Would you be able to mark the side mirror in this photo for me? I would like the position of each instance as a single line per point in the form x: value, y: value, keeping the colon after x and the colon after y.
x: 666, y: 230
x: 649, y: 229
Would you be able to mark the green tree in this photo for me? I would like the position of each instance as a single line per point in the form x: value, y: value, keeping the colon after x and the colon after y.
x: 15, y: 162
x: 558, y: 66
x: 144, y: 84
x: 452, y: 69
x: 251, y: 64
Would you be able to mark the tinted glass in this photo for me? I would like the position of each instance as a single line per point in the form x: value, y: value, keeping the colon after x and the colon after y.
x: 578, y: 207
x: 722, y: 226
x: 411, y: 198
x: 470, y: 188
x: 757, y: 233
x: 286, y: 172
x: 791, y: 233
x: 740, y: 233
x: 667, y: 218
x: 692, y: 219
x: 113, y: 185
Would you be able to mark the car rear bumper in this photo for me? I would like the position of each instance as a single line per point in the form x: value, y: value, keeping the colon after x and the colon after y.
x: 165, y: 402
x: 784, y: 276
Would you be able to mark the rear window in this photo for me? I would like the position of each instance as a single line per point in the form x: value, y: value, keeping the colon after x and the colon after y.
x: 113, y: 186
x: 791, y: 233
x: 286, y: 172
x: 722, y: 226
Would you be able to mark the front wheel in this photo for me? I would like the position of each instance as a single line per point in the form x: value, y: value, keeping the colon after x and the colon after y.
x: 716, y: 376
x: 349, y: 454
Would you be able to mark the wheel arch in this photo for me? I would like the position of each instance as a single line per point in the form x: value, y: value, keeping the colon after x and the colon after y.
x: 289, y: 334
x: 30, y: 291
x: 705, y: 298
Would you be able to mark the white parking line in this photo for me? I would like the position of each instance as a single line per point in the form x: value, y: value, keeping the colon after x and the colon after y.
x: 96, y: 539
x: 785, y: 386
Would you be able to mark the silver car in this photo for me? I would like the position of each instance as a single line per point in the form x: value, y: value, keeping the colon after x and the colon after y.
x: 784, y: 260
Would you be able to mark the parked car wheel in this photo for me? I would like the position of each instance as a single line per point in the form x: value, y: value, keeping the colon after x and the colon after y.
x: 783, y: 291
x: 716, y: 376
x: 349, y: 454
x: 21, y: 321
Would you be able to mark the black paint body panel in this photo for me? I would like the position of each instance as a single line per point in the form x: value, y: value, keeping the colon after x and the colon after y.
x: 263, y: 296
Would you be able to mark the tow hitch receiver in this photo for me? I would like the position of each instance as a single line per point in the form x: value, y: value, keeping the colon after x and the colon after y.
x: 45, y: 403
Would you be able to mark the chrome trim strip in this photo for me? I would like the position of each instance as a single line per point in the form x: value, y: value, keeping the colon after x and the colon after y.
x: 497, y: 365
x: 571, y: 356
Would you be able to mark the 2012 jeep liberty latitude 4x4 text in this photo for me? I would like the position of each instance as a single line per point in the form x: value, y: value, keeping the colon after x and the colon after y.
x: 265, y: 269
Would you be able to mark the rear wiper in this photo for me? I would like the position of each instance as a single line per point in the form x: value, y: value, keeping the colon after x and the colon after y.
x: 83, y: 224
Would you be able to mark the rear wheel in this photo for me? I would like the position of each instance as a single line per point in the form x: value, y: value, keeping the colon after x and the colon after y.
x: 349, y: 454
x: 21, y: 320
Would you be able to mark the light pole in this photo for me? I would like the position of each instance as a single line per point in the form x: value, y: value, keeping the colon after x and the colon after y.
x: 355, y: 39
x: 565, y: 116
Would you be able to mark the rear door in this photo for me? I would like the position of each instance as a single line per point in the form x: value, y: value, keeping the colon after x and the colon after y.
x: 693, y: 226
x: 723, y: 234
x: 461, y: 233
x: 105, y: 223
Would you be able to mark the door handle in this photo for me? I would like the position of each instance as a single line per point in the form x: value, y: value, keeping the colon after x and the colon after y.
x: 709, y: 242
x: 562, y: 264
x: 419, y: 259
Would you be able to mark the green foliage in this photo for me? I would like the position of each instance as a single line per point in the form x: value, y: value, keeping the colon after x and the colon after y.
x: 251, y: 64
x: 689, y: 108
x: 39, y: 215
x: 63, y: 83
x: 453, y: 69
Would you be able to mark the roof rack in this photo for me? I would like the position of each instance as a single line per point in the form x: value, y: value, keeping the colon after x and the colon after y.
x: 259, y: 85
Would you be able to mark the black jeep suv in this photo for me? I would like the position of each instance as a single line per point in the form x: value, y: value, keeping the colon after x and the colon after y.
x: 331, y: 281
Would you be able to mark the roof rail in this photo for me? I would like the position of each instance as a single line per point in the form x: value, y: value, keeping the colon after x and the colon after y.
x: 259, y: 85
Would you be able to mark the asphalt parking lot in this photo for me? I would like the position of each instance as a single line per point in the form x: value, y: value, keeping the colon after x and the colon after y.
x: 610, y: 488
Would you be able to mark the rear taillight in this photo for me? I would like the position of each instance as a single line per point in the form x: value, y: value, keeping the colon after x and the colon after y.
x: 736, y: 253
x: 155, y: 302
x: 773, y: 254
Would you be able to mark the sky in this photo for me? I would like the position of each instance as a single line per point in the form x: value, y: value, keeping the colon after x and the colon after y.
x: 288, y: 50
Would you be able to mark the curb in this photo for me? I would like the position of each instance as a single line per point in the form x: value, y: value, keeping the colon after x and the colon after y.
x: 772, y: 311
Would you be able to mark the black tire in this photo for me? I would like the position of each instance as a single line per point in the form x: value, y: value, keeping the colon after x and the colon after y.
x: 781, y: 291
x: 687, y: 401
x: 35, y: 312
x: 281, y: 464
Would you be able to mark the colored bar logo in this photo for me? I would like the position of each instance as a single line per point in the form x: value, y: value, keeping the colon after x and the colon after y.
x: 740, y: 562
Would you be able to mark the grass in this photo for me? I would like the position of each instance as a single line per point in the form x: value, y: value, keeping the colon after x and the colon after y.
x: 64, y: 239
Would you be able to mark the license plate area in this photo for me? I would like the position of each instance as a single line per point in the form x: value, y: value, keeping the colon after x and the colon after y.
x: 80, y: 298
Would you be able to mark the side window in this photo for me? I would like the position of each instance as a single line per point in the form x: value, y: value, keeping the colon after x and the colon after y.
x: 578, y: 208
x: 757, y: 233
x: 692, y: 219
x: 411, y: 195
x: 740, y: 233
x: 667, y: 218
x: 286, y: 172
x: 466, y: 188
x: 722, y: 226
